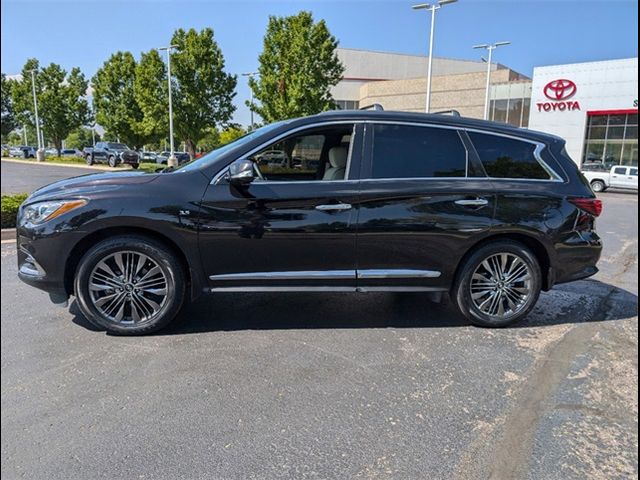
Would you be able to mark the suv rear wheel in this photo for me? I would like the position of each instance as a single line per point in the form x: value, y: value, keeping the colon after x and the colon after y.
x: 498, y: 285
x: 113, y: 162
x: 129, y: 285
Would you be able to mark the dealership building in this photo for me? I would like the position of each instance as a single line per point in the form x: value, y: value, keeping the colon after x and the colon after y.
x: 593, y: 106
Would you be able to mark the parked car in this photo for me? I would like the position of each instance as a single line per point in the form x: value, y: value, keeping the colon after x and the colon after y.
x: 620, y: 176
x: 22, y: 151
x: 272, y: 158
x: 595, y: 167
x: 182, y: 157
x: 51, y: 152
x: 486, y: 213
x: 148, y: 156
x: 69, y: 152
x: 113, y: 154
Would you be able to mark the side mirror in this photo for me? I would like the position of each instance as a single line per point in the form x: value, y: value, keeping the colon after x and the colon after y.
x: 242, y: 172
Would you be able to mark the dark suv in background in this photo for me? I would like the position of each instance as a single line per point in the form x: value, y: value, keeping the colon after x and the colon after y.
x: 374, y: 201
x: 113, y: 154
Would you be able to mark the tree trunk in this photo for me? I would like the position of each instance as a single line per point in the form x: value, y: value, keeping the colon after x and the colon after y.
x: 190, y: 146
x: 58, y: 144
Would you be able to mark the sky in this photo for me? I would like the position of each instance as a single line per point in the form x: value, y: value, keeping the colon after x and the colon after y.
x: 85, y: 33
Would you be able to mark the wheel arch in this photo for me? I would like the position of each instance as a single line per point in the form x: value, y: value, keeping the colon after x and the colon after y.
x: 535, y: 245
x: 78, y: 251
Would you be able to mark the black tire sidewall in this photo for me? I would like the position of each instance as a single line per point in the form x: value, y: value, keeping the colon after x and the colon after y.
x: 112, y: 161
x: 89, y: 159
x: 462, y: 294
x: 160, y: 254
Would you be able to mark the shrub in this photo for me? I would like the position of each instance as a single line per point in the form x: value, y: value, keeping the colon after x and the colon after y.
x: 10, y: 205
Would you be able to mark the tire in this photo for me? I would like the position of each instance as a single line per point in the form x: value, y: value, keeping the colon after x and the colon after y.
x: 127, y: 310
x: 486, y: 300
x: 598, y: 186
x: 135, y: 166
x: 89, y: 159
x: 113, y: 162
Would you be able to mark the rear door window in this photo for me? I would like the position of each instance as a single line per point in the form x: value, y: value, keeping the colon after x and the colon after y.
x: 504, y: 157
x: 404, y: 151
x: 620, y: 171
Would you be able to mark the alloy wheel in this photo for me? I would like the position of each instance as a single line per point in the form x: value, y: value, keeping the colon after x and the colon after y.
x: 128, y: 287
x: 501, y: 285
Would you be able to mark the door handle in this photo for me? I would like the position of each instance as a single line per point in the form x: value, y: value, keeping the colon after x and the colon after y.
x: 333, y: 206
x: 472, y: 202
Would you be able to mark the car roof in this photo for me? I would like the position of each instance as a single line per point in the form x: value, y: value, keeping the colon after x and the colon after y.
x: 444, y: 119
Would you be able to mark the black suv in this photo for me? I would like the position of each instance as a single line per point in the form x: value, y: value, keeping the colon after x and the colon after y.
x: 112, y: 153
x: 361, y: 201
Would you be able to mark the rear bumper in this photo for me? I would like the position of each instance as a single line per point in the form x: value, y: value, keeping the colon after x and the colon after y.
x: 577, y: 257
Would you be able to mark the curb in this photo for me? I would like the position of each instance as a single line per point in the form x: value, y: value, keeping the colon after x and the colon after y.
x: 69, y: 165
x: 8, y: 234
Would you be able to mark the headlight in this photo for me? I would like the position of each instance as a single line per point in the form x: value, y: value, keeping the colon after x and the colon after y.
x: 37, y: 213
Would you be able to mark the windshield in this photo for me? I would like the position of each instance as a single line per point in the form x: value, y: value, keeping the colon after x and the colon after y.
x: 213, y: 155
x: 117, y: 146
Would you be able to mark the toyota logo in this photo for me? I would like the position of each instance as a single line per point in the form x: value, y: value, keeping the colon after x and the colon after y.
x: 560, y: 89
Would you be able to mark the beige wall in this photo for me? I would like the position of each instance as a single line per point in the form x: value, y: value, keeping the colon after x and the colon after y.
x: 464, y: 92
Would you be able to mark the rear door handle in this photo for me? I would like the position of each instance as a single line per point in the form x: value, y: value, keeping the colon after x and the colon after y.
x: 473, y: 202
x: 333, y: 206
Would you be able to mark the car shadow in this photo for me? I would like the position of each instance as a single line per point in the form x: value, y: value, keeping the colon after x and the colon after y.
x: 281, y: 311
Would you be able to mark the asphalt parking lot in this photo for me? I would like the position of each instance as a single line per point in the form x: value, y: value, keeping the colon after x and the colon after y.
x: 24, y: 178
x: 331, y: 386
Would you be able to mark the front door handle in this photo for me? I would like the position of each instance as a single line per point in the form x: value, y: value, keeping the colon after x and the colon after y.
x: 333, y: 206
x: 473, y: 202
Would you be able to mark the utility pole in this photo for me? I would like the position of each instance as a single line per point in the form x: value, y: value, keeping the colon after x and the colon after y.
x: 171, y: 161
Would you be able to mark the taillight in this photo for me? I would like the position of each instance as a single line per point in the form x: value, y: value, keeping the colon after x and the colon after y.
x: 592, y: 206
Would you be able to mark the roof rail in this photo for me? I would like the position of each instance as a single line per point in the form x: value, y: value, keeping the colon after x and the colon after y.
x: 454, y: 113
x: 373, y: 106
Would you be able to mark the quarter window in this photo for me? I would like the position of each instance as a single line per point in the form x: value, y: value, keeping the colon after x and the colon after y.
x: 508, y: 158
x: 402, y: 151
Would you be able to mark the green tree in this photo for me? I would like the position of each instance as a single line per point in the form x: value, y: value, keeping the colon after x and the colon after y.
x: 80, y: 138
x: 8, y: 118
x: 209, y: 141
x: 114, y: 99
x: 150, y: 90
x: 231, y: 133
x: 203, y: 92
x: 62, y: 105
x: 298, y: 67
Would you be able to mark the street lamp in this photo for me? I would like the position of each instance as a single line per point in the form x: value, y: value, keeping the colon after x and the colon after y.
x: 490, y: 49
x: 40, y: 152
x: 171, y: 161
x: 250, y: 75
x: 432, y: 7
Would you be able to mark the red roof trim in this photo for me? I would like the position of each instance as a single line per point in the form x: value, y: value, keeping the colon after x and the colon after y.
x: 612, y: 112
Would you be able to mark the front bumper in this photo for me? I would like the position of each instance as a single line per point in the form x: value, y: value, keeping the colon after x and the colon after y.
x: 42, y: 259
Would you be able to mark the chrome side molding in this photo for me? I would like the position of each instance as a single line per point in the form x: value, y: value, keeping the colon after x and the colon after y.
x: 397, y: 273
x: 327, y: 275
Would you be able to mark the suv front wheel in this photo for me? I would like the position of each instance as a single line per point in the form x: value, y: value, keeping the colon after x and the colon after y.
x: 129, y: 285
x: 498, y: 285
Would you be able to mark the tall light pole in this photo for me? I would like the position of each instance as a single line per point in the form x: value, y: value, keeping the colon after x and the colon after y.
x: 39, y: 153
x: 490, y: 48
x: 432, y: 7
x: 171, y: 161
x: 250, y: 75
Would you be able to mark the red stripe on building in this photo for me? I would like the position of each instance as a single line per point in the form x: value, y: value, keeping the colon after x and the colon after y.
x: 612, y: 112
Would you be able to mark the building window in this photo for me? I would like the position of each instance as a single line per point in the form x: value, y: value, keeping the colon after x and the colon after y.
x: 510, y: 103
x: 347, y: 104
x: 611, y: 139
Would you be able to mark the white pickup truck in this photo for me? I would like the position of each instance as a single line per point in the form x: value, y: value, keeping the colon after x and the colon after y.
x: 619, y: 177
